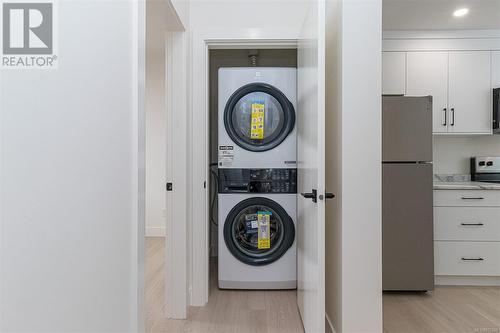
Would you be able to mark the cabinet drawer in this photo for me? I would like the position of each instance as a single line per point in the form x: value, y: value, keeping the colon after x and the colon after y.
x: 467, y: 198
x: 467, y: 258
x: 467, y: 223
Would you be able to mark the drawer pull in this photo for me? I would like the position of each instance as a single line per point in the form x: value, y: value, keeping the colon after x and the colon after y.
x: 472, y: 259
x: 472, y: 224
x: 472, y: 198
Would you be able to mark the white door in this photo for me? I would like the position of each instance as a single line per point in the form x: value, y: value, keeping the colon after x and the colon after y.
x: 311, y: 169
x: 470, y: 92
x: 427, y: 74
x: 393, y: 73
x: 176, y: 292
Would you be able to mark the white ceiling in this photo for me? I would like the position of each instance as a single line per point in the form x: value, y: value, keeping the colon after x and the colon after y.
x: 438, y: 14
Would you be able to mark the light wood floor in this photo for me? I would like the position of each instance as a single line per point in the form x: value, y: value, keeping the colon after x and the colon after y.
x: 446, y: 310
x: 451, y: 309
x: 226, y: 311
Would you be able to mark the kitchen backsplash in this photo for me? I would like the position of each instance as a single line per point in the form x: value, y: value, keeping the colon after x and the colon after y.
x: 452, y: 154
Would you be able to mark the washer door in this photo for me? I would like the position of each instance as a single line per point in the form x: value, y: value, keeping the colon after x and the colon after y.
x: 241, y: 237
x: 278, y: 122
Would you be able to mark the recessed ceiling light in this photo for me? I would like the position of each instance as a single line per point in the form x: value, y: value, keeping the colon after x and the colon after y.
x: 461, y: 12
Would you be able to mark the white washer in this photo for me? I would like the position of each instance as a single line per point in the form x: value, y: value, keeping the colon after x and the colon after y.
x: 241, y: 264
x: 240, y: 90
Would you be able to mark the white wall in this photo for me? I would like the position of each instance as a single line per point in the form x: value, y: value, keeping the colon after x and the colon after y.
x: 258, y: 15
x: 155, y: 118
x: 452, y: 154
x: 69, y: 179
x: 353, y: 154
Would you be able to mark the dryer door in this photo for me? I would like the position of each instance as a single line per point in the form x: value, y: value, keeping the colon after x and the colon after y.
x: 241, y: 231
x: 258, y: 117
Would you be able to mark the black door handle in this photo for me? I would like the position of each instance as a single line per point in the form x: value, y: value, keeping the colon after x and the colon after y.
x: 311, y: 195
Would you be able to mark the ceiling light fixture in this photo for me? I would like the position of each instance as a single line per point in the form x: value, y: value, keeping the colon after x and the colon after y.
x: 461, y: 12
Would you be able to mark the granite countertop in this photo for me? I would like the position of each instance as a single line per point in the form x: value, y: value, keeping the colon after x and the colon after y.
x: 460, y: 182
x: 469, y: 185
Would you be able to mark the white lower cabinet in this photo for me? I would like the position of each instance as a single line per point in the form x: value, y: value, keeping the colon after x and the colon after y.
x: 467, y: 224
x: 466, y: 198
x: 467, y: 258
x: 467, y: 236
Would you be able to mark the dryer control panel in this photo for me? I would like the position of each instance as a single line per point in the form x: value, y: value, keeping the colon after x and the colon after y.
x: 257, y: 180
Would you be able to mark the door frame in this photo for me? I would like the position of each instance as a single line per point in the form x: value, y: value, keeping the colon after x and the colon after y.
x: 198, y: 196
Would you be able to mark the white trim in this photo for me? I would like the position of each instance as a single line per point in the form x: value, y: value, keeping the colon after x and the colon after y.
x: 471, y: 44
x: 459, y: 40
x: 198, y: 211
x: 156, y: 231
x: 440, y: 34
x: 441, y: 280
x: 138, y: 144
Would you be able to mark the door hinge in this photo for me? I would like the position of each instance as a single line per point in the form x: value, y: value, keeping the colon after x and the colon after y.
x: 169, y: 187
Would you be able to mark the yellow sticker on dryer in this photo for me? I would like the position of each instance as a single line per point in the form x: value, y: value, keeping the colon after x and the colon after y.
x: 264, y: 221
x: 257, y: 125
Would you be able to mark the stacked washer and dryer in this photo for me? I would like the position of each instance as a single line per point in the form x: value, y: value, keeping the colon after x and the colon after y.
x: 257, y: 178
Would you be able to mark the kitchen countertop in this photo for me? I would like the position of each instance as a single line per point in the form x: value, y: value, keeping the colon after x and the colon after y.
x: 465, y: 186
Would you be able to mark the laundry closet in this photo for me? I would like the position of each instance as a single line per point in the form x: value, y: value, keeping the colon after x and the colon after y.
x: 253, y: 184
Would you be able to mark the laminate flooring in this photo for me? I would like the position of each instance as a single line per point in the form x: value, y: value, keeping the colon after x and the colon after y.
x: 446, y: 310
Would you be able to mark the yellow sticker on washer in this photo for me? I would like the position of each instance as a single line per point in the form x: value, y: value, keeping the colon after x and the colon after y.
x: 257, y: 126
x: 264, y: 220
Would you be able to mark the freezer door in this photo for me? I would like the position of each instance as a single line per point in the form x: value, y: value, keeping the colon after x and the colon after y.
x: 407, y: 227
x: 406, y: 128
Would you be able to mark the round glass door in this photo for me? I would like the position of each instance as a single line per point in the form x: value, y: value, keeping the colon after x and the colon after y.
x: 258, y: 117
x: 250, y: 245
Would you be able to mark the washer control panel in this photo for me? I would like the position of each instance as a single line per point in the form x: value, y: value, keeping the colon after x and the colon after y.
x: 257, y: 180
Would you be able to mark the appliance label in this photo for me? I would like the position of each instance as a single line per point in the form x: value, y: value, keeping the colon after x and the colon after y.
x: 251, y: 224
x: 257, y: 126
x: 264, y: 219
x: 226, y: 156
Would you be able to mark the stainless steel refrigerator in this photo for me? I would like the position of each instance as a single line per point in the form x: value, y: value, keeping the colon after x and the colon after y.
x: 407, y: 194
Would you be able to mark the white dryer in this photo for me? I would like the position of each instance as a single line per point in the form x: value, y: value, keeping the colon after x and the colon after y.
x: 257, y: 117
x: 244, y: 194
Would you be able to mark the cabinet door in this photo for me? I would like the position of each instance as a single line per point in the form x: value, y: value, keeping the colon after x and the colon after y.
x: 470, y: 92
x: 495, y: 69
x: 393, y: 73
x: 427, y: 74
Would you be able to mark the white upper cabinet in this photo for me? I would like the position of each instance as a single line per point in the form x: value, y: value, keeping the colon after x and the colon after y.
x: 427, y: 74
x: 495, y: 69
x: 393, y: 73
x: 470, y: 92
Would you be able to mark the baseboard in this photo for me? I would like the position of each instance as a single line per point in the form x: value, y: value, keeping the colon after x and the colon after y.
x: 155, y: 232
x: 328, y: 325
x: 444, y: 280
